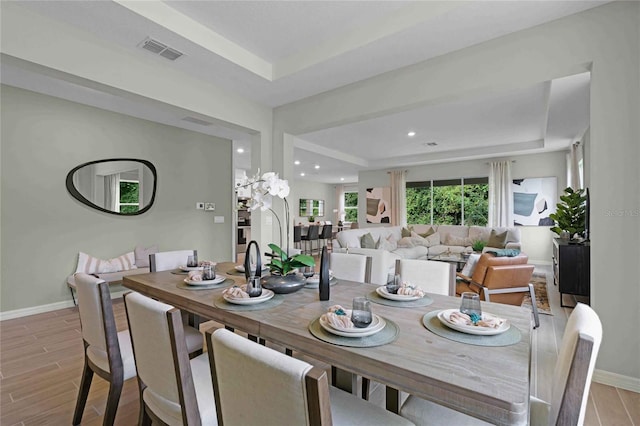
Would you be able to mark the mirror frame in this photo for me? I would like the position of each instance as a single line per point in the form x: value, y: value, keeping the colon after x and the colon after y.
x: 78, y: 196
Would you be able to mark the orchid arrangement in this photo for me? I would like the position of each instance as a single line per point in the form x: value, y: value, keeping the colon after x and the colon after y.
x: 263, y: 189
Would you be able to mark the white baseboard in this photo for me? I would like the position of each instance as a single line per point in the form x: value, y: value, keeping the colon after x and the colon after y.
x: 18, y: 313
x: 617, y: 380
x: 540, y: 262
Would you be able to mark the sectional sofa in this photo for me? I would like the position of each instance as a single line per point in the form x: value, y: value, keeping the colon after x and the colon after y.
x: 386, y: 244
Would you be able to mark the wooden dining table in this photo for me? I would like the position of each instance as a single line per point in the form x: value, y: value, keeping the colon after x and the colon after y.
x: 490, y: 383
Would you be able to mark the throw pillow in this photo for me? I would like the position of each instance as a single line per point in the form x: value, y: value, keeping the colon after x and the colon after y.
x: 453, y: 240
x: 93, y: 265
x: 142, y: 255
x: 431, y: 240
x: 367, y: 241
x: 470, y: 266
x: 389, y: 243
x: 406, y: 232
x: 497, y: 240
x: 430, y: 231
x: 405, y: 242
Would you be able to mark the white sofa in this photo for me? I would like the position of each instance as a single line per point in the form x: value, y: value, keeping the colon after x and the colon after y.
x: 383, y: 261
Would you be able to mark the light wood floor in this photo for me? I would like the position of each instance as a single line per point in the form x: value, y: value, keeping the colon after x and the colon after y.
x: 41, y: 362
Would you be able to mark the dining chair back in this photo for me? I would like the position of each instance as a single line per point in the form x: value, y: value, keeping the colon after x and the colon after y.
x: 173, y: 389
x: 167, y: 260
x: 311, y: 236
x: 107, y: 352
x: 245, y: 375
x: 569, y: 388
x: 325, y: 234
x: 351, y: 267
x: 430, y: 275
x: 297, y: 236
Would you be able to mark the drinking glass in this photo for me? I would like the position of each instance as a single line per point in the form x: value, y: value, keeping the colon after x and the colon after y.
x: 393, y: 286
x: 361, y: 314
x: 191, y: 261
x: 470, y: 304
x: 308, y: 271
x: 208, y: 272
x: 254, y: 287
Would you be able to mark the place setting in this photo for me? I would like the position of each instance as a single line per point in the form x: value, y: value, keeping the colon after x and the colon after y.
x: 204, y: 278
x: 191, y: 265
x: 313, y: 278
x: 470, y: 325
x: 399, y: 294
x: 357, y: 327
x: 239, y: 269
x: 248, y: 297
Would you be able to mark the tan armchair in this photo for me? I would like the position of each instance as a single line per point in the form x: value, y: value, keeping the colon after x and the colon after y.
x: 501, y: 280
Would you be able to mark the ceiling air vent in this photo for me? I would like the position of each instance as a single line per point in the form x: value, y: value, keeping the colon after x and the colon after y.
x: 430, y: 144
x: 161, y: 49
x: 197, y: 121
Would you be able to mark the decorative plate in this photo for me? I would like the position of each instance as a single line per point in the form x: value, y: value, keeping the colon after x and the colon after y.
x: 240, y: 268
x: 218, y: 279
x: 377, y: 324
x: 266, y: 295
x: 383, y: 292
x: 443, y: 316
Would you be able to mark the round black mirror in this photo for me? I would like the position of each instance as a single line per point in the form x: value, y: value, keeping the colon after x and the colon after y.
x: 122, y: 186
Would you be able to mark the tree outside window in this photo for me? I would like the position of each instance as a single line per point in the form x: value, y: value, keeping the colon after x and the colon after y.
x: 351, y: 206
x: 129, y: 196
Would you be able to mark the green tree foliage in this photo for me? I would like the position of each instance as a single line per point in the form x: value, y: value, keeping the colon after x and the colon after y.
x: 351, y: 200
x: 570, y: 212
x: 129, y: 194
x: 447, y: 204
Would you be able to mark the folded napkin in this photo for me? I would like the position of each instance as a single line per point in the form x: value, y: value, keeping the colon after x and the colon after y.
x: 338, y: 317
x: 464, y: 319
x: 206, y: 262
x: 236, y: 292
x: 407, y: 289
x: 195, y: 276
x: 504, y: 252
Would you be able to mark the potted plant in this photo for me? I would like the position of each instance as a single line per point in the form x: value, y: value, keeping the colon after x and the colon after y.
x: 570, y: 214
x: 283, y: 278
x: 478, y: 246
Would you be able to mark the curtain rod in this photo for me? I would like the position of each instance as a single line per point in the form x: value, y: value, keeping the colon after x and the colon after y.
x: 489, y: 162
x: 389, y: 171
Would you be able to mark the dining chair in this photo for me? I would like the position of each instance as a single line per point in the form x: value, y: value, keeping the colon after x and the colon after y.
x: 246, y: 374
x: 351, y: 267
x: 173, y: 389
x: 311, y: 236
x: 107, y: 352
x: 571, y: 380
x: 430, y: 275
x: 167, y: 260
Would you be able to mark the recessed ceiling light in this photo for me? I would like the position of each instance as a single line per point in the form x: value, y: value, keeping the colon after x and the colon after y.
x: 411, y: 134
x: 341, y: 178
x: 297, y: 163
x: 317, y: 166
x: 240, y: 150
x: 302, y: 174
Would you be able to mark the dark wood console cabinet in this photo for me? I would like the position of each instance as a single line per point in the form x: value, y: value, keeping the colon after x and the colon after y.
x: 571, y: 268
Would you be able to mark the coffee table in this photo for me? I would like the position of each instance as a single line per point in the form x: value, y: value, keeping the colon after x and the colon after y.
x: 457, y: 258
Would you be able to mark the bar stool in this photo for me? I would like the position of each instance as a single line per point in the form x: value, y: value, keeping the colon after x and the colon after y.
x: 297, y: 236
x: 312, y: 235
x: 325, y: 235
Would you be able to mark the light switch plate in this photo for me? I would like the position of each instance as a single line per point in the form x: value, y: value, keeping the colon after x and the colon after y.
x: 200, y: 205
x: 209, y: 206
x: 218, y: 219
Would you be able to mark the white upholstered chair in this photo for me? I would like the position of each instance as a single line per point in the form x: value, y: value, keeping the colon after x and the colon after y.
x: 255, y: 385
x: 173, y: 389
x: 430, y: 275
x: 107, y: 352
x: 351, y: 267
x: 167, y: 260
x: 570, y: 383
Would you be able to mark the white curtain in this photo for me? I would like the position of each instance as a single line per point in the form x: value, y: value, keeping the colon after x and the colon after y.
x: 112, y: 192
x: 340, y: 202
x: 500, y: 194
x: 398, y: 198
x: 575, y: 155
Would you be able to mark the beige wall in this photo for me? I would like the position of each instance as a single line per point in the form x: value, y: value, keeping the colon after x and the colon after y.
x: 603, y: 40
x: 316, y: 191
x: 43, y: 227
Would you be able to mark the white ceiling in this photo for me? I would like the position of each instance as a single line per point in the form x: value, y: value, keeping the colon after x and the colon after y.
x: 276, y: 52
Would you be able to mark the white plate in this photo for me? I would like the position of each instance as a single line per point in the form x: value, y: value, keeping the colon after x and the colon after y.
x: 240, y: 268
x: 266, y: 295
x: 314, y: 282
x: 443, y: 316
x: 377, y: 324
x: 190, y: 268
x: 217, y: 280
x: 383, y: 292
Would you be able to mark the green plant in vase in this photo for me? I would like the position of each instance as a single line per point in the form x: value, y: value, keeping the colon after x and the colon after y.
x: 570, y: 213
x: 478, y: 246
x: 312, y: 219
x: 281, y: 264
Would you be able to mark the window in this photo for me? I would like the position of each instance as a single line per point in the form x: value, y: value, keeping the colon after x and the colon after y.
x: 129, y: 196
x: 351, y: 206
x: 449, y: 202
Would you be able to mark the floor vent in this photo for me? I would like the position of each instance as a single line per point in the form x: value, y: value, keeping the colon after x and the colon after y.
x: 161, y: 49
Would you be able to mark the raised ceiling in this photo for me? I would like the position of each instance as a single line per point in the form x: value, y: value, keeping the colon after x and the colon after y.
x: 276, y: 52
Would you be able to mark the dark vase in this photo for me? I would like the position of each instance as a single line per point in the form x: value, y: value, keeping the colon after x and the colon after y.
x: 323, y: 286
x: 284, y: 284
x: 247, y: 261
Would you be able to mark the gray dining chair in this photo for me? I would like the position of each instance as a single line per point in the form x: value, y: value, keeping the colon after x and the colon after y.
x: 571, y: 380
x: 245, y: 376
x: 430, y: 275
